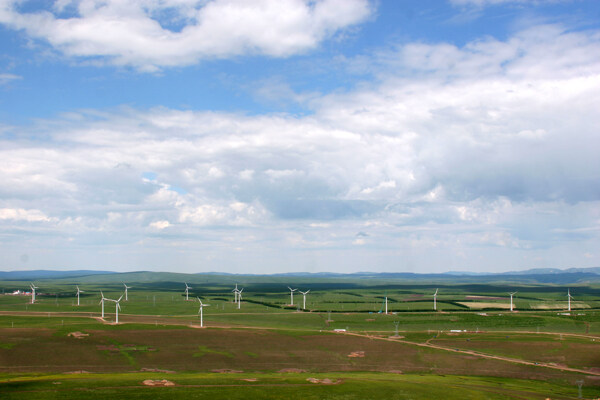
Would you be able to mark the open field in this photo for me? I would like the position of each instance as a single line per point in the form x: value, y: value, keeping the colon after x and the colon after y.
x: 283, y: 385
x: 486, y: 352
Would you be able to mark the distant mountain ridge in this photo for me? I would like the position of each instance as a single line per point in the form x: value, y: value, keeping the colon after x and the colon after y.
x: 536, y: 275
x: 48, y: 274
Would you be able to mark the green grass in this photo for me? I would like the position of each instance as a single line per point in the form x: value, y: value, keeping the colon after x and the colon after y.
x: 266, y: 336
x: 289, y: 386
x: 203, y: 350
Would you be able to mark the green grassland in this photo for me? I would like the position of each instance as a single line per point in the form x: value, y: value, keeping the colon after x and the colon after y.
x: 159, y: 329
x: 276, y: 386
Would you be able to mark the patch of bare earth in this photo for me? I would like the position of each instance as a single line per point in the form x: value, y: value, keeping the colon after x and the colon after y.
x: 78, y: 335
x: 325, y: 381
x: 250, y: 379
x: 292, y: 370
x: 77, y: 372
x: 394, y: 371
x: 158, y: 382
x: 356, y: 354
x: 227, y: 371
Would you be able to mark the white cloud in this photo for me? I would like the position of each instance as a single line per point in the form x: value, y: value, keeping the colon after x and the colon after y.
x: 20, y: 214
x: 6, y: 78
x: 160, y: 225
x: 151, y: 34
x: 434, y: 157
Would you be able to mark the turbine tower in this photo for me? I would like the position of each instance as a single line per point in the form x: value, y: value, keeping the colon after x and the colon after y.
x: 435, y: 300
x: 235, y: 293
x: 33, y: 287
x: 78, y: 291
x: 304, y: 298
x: 102, y: 302
x: 126, y: 287
x: 187, y: 289
x: 117, y: 308
x: 511, y: 300
x: 569, y: 297
x: 386, y: 305
x: 292, y: 295
x: 240, y: 298
x: 200, y: 311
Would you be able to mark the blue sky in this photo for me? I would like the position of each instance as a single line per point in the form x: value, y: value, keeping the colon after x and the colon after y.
x: 291, y: 135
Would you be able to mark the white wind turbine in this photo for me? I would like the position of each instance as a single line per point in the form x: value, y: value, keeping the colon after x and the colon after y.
x: 304, y: 298
x: 240, y: 298
x: 569, y: 297
x: 78, y: 291
x: 126, y: 287
x: 33, y: 287
x: 435, y: 300
x: 292, y: 295
x: 386, y: 305
x: 187, y: 289
x: 117, y: 308
x: 235, y: 293
x: 102, y: 302
x: 511, y: 300
x: 200, y: 311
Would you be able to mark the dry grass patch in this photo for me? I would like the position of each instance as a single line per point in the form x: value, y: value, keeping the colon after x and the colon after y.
x: 356, y: 354
x: 158, y: 383
x: 78, y: 335
x: 325, y: 381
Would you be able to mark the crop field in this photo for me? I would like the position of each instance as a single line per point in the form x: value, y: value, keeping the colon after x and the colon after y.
x: 342, y: 345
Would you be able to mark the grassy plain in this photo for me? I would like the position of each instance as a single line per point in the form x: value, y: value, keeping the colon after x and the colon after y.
x: 539, y: 351
x: 282, y: 385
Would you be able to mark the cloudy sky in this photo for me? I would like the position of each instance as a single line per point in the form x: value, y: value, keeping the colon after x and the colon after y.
x: 299, y: 135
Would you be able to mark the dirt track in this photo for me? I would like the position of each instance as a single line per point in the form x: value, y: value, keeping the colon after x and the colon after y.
x: 163, y: 320
x: 478, y: 354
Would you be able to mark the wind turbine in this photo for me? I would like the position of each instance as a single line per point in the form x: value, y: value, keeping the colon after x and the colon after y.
x: 102, y: 302
x: 187, y: 289
x: 292, y: 295
x: 240, y: 298
x: 435, y: 300
x: 117, y: 308
x: 569, y: 297
x: 200, y: 310
x: 126, y: 287
x: 511, y: 300
x: 78, y: 291
x: 235, y: 293
x: 304, y: 298
x: 33, y: 287
x: 386, y: 305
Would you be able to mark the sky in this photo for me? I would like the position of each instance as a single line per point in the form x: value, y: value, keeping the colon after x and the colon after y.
x: 276, y: 136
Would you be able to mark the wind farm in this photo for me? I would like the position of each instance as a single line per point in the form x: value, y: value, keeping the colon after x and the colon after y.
x: 541, y: 340
x: 300, y: 199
